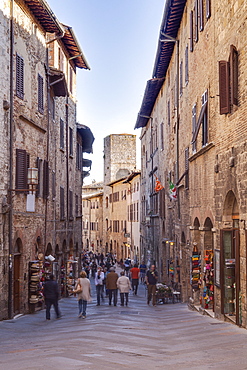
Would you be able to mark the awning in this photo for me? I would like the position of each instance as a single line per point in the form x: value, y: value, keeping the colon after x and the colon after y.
x: 58, y: 82
x: 74, y: 48
x: 87, y: 138
x: 151, y: 92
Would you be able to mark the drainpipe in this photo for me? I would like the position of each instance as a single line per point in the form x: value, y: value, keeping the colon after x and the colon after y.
x: 177, y: 132
x: 10, y: 285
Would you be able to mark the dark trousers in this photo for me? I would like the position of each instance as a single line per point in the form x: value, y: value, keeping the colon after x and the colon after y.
x: 135, y: 283
x: 126, y: 295
x: 49, y: 303
x: 99, y: 291
x: 152, y: 293
x: 112, y: 292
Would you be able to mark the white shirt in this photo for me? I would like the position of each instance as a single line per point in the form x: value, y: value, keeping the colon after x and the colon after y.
x: 100, y: 280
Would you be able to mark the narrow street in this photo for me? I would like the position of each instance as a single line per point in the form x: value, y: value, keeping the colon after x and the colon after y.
x: 168, y: 336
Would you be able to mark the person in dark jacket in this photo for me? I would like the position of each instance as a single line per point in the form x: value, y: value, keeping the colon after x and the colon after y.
x: 51, y: 293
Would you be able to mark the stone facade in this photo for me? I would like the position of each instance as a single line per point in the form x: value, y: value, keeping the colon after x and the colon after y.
x: 198, y: 141
x: 40, y: 131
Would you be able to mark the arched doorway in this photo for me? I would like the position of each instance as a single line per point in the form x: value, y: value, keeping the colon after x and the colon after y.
x: 230, y: 259
x: 17, y: 275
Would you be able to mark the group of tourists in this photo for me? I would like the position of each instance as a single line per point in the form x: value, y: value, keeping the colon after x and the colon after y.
x: 107, y: 284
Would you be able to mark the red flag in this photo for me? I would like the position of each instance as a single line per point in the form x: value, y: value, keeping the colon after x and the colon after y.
x: 158, y: 185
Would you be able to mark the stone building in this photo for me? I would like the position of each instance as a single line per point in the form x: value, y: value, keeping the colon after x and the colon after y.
x: 92, y: 209
x: 42, y: 221
x: 193, y: 119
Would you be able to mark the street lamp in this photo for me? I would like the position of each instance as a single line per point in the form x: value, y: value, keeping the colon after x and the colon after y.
x: 32, y: 177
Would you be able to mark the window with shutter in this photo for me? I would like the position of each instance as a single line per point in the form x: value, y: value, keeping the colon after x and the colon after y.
x: 186, y: 65
x: 45, y: 179
x: 71, y: 204
x: 40, y: 94
x: 168, y: 113
x: 71, y: 142
x: 224, y: 87
x: 76, y: 205
x: 21, y: 169
x: 208, y: 8
x: 205, y: 119
x: 201, y: 15
x: 196, y: 20
x: 53, y: 185
x: 181, y: 79
x: 39, y: 187
x: 191, y: 32
x: 233, y: 75
x: 186, y: 160
x: 51, y: 54
x: 194, y: 126
x: 19, y: 76
x: 62, y: 215
x: 61, y: 134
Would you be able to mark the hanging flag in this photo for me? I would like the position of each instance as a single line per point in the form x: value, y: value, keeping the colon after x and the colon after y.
x: 172, y: 190
x: 158, y: 185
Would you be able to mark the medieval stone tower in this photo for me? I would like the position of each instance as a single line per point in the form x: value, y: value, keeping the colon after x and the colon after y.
x: 119, y: 156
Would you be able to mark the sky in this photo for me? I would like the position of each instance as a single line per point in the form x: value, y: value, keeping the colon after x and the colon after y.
x: 119, y: 39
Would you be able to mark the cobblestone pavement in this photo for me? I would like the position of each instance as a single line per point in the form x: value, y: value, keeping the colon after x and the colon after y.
x: 168, y: 336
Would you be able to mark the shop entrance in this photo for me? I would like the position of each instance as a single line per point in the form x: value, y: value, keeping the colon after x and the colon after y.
x: 230, y: 262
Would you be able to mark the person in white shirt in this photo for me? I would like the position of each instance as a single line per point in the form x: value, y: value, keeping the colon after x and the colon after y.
x: 123, y: 284
x: 99, y: 277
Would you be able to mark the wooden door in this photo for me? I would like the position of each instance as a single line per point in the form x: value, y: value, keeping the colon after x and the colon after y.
x: 16, y: 285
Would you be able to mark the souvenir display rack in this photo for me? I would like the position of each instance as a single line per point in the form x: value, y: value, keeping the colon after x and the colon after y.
x: 208, y: 290
x: 36, y: 299
x: 195, y: 269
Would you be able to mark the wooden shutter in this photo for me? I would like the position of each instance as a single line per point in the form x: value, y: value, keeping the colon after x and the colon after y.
x: 38, y: 186
x: 186, y: 160
x: 201, y: 15
x: 51, y: 54
x: 224, y: 87
x: 61, y: 134
x: 186, y: 65
x: 45, y: 180
x: 191, y: 32
x: 70, y: 141
x: 208, y: 8
x: 70, y: 204
x: 40, y: 94
x: 76, y: 205
x: 234, y: 75
x: 53, y: 185
x: 21, y: 169
x: 61, y: 203
x: 19, y: 76
x: 193, y: 127
x: 196, y: 20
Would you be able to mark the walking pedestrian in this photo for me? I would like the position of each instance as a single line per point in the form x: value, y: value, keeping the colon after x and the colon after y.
x: 85, y: 295
x: 51, y: 294
x: 135, y: 273
x: 99, y: 279
x: 111, y: 285
x: 123, y: 284
x: 143, y: 270
x: 151, y: 280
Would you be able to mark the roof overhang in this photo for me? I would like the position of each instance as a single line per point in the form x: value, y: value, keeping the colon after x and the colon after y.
x: 131, y: 176
x: 74, y: 49
x: 58, y: 82
x: 170, y: 25
x: 151, y: 92
x: 45, y: 16
x: 87, y: 138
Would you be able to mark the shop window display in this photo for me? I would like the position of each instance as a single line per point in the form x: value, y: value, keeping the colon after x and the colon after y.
x: 208, y: 280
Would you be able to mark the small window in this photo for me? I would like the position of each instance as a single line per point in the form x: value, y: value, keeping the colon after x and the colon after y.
x: 186, y: 65
x: 201, y: 15
x: 40, y: 94
x: 62, y: 215
x: 71, y: 142
x: 19, y: 76
x: 196, y: 20
x: 70, y: 204
x: 61, y: 134
x: 208, y: 8
x: 191, y: 32
x: 181, y: 79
